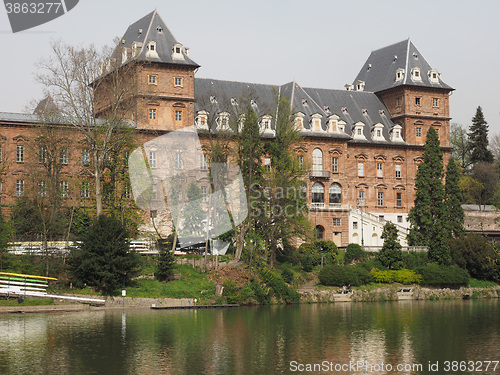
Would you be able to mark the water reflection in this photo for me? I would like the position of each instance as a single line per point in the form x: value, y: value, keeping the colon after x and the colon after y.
x: 257, y: 340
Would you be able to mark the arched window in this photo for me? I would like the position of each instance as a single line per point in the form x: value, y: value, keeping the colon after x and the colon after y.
x: 335, y: 193
x: 317, y: 160
x: 318, y: 193
x: 320, y: 232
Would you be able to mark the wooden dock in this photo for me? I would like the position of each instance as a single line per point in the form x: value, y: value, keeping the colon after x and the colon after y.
x: 154, y: 307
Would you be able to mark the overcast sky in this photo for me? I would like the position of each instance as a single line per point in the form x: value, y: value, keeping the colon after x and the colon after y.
x: 318, y: 43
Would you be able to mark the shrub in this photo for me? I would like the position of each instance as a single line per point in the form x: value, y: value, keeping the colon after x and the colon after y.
x: 476, y: 255
x: 354, y: 253
x: 287, y: 275
x: 280, y: 289
x: 231, y: 291
x: 436, y: 275
x: 415, y: 259
x: 327, y: 247
x: 335, y: 275
x: 403, y: 276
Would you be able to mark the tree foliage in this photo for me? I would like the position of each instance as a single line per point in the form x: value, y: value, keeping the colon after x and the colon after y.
x: 390, y: 255
x: 427, y: 215
x: 460, y: 144
x: 103, y: 259
x: 453, y: 211
x: 478, y: 138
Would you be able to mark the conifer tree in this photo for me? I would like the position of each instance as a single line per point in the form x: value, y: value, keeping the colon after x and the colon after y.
x: 390, y: 256
x: 454, y: 213
x: 478, y: 137
x: 427, y: 215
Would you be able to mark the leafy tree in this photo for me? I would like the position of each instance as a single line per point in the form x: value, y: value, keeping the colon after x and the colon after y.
x: 478, y: 138
x: 103, y: 258
x: 473, y: 253
x: 427, y: 215
x: 487, y: 177
x: 461, y: 147
x: 390, y: 255
x: 287, y: 213
x: 454, y: 213
x: 6, y: 259
x: 354, y: 252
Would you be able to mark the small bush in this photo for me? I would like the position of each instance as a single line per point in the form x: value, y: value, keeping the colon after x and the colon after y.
x: 403, y: 276
x: 231, y: 291
x: 334, y: 275
x: 287, y: 275
x: 281, y: 290
x: 445, y: 276
x: 354, y: 253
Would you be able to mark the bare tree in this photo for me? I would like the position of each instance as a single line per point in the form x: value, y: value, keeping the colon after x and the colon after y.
x: 84, y: 83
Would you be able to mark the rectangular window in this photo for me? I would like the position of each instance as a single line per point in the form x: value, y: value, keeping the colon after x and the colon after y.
x: 19, y: 188
x: 380, y: 171
x: 85, y: 157
x: 435, y: 102
x: 64, y: 157
x: 152, y: 113
x: 354, y: 225
x: 178, y: 82
x: 336, y: 222
x: 85, y: 191
x: 64, y: 188
x: 361, y: 199
x: 418, y: 132
x: 178, y: 160
x: 380, y: 198
x: 42, y: 154
x: 301, y: 161
x: 152, y: 79
x: 154, y: 191
x: 203, y: 162
x: 42, y: 189
x: 437, y: 131
x: 335, y: 164
x: 204, y: 193
x: 417, y: 101
x: 178, y: 115
x: 400, y: 219
x: 361, y: 169
x: 381, y: 218
x: 398, y: 170
x: 398, y: 102
x: 126, y: 191
x: 152, y: 159
x: 267, y: 163
x: 399, y: 199
x: 20, y: 155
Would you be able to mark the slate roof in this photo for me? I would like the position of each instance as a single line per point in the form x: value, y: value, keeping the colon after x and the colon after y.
x: 152, y: 28
x: 215, y: 96
x: 379, y: 70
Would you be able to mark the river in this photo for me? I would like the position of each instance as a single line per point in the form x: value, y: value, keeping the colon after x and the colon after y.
x: 406, y: 337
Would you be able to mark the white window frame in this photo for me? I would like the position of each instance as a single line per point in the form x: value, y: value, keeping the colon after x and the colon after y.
x: 178, y: 115
x: 361, y: 168
x: 380, y: 198
x: 398, y: 170
x: 20, y: 154
x: 153, y: 115
x: 19, y: 188
x: 152, y: 159
x: 178, y: 160
x: 335, y: 164
x: 64, y: 186
x: 85, y: 156
x: 380, y: 170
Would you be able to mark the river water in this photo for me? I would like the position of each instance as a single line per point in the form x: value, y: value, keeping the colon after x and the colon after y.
x: 406, y: 337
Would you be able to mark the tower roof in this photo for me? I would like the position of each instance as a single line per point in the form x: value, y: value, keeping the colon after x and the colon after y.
x: 149, y: 39
x: 399, y: 64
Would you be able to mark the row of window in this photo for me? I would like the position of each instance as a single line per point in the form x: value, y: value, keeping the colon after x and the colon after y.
x: 335, y: 195
x: 418, y: 102
x: 153, y: 114
x: 178, y: 160
x: 64, y: 189
x: 153, y: 80
x: 42, y: 155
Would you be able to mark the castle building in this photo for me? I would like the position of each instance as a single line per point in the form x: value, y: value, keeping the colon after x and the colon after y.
x: 362, y: 144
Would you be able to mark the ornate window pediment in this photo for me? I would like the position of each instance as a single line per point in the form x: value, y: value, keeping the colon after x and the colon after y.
x: 20, y: 138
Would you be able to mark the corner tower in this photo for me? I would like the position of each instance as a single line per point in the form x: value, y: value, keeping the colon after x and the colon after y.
x: 161, y: 73
x: 413, y: 92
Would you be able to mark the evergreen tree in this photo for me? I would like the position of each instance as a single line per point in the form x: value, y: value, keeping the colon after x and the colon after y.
x: 427, y: 215
x: 454, y: 213
x: 390, y: 256
x: 103, y: 258
x: 478, y: 137
x: 166, y: 259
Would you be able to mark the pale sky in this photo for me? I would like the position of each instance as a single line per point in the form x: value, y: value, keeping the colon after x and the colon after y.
x: 318, y: 43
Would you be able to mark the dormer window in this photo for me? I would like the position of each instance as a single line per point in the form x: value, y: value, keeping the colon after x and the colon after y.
x: 358, y: 130
x: 177, y: 52
x: 433, y: 76
x: 299, y: 121
x: 400, y: 74
x: 377, y: 134
x: 159, y: 29
x: 202, y: 120
x: 332, y: 123
x: 396, y: 133
x: 151, y: 52
x: 265, y: 124
x: 316, y: 122
x: 415, y: 74
x: 341, y: 126
x: 223, y: 121
x: 360, y: 85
